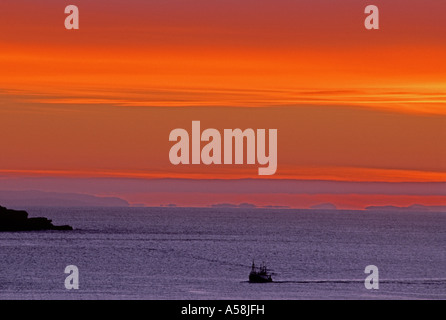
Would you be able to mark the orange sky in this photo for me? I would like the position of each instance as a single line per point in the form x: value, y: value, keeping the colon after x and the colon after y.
x: 350, y: 104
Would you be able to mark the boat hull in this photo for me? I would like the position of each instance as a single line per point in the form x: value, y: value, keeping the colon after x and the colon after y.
x: 259, y: 278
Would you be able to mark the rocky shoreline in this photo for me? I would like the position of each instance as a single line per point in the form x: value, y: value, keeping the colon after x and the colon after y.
x: 17, y: 220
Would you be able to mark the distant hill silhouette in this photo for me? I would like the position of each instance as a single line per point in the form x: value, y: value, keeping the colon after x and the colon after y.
x: 231, y: 205
x: 34, y: 198
x: 276, y: 207
x: 324, y: 206
x: 246, y: 205
x: 414, y: 207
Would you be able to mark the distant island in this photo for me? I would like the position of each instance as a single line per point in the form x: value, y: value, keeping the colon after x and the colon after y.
x: 414, y: 207
x: 17, y: 220
x: 243, y: 205
x: 231, y: 205
x: 34, y: 198
x: 276, y: 207
x: 324, y: 206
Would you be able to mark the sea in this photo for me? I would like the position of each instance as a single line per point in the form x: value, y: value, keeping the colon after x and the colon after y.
x: 170, y: 253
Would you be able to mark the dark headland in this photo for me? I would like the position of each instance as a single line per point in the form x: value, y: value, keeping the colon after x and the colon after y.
x: 17, y: 220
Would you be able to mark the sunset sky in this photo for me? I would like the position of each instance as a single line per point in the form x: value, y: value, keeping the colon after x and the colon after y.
x: 361, y: 114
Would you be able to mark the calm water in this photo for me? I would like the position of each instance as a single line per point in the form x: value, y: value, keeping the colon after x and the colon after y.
x: 189, y: 253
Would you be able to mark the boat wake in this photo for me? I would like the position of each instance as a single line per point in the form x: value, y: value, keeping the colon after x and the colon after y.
x: 395, y: 281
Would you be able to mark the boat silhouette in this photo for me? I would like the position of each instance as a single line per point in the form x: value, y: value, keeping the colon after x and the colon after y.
x: 259, y: 274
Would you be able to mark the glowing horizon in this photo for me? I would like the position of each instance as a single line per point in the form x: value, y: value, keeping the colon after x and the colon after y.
x: 350, y: 104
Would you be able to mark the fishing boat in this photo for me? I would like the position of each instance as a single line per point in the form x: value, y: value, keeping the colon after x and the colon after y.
x: 259, y: 274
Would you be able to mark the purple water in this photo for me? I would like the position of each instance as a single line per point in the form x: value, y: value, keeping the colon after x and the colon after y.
x: 197, y: 253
